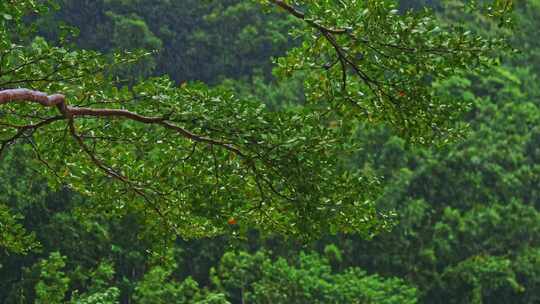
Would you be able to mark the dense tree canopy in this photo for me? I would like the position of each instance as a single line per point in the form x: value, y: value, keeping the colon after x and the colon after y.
x: 196, y: 156
x: 465, y: 215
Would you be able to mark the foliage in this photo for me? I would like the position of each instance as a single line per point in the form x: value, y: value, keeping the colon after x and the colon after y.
x: 255, y: 278
x: 246, y: 38
x: 198, y: 156
x: 53, y: 283
x: 13, y: 236
x: 467, y: 223
x: 469, y: 213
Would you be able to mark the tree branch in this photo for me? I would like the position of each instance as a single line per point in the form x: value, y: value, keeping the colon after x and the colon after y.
x: 14, y: 95
x: 23, y: 129
x: 69, y: 112
x: 302, y: 16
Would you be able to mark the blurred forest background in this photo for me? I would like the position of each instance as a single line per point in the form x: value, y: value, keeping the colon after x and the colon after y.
x: 468, y: 224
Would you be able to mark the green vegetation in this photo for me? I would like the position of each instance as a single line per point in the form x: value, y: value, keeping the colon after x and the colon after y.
x: 360, y: 154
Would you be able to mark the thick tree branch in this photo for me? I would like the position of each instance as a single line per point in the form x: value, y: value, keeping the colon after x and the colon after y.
x: 15, y: 95
x: 69, y: 112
